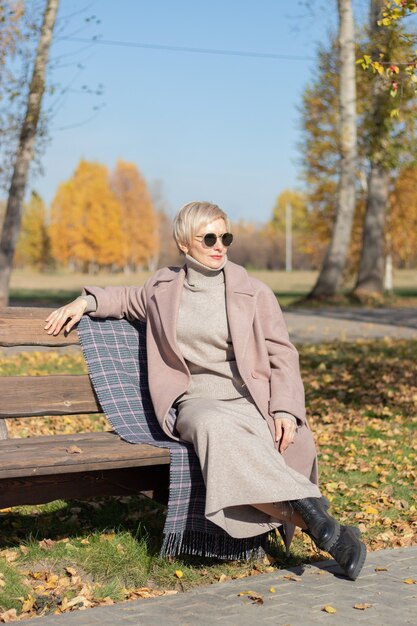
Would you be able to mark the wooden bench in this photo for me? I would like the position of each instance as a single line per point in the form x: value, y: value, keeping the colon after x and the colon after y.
x: 37, y: 470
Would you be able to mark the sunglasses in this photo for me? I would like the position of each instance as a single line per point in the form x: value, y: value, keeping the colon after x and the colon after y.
x: 210, y: 239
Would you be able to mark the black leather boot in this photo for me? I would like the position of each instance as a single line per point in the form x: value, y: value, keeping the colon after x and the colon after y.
x: 349, y: 552
x: 342, y: 542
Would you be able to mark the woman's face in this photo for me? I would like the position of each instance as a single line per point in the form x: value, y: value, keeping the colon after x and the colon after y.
x: 212, y: 257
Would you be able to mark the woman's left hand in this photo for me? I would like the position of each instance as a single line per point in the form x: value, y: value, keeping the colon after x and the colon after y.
x: 285, y: 430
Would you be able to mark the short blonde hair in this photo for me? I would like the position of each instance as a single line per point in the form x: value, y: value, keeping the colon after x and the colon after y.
x: 193, y: 216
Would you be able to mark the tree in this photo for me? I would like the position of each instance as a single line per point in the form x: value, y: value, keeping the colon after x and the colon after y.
x: 331, y: 274
x: 85, y: 230
x: 33, y: 246
x: 383, y: 154
x: 138, y: 218
x: 394, y: 75
x: 320, y: 149
x: 402, y: 219
x: 13, y: 216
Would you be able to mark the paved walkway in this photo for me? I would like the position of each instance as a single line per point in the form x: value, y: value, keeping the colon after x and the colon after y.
x: 316, y: 325
x: 294, y: 597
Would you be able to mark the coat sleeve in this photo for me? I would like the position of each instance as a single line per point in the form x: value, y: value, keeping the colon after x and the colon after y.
x: 119, y: 302
x: 286, y: 386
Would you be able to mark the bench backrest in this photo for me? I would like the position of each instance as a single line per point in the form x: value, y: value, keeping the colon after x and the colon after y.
x: 29, y: 396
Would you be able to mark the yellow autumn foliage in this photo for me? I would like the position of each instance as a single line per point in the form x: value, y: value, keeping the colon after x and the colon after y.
x: 139, y: 224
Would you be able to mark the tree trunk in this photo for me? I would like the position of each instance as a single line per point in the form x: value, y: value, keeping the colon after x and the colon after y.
x: 13, y: 215
x: 370, y: 281
x: 331, y: 274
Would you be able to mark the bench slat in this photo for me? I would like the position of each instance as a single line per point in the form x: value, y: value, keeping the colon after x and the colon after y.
x: 58, y: 454
x: 21, y: 326
x: 151, y: 481
x: 31, y: 396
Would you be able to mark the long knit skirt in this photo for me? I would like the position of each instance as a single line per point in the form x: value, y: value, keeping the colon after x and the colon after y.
x: 240, y: 464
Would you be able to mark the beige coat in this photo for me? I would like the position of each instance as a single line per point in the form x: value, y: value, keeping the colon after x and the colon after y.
x: 266, y: 359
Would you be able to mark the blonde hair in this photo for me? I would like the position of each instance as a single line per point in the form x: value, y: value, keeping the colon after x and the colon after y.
x: 191, y: 217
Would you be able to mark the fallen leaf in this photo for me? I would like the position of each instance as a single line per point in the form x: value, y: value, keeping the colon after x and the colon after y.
x: 27, y: 604
x: 222, y: 578
x: 179, y: 573
x: 329, y: 609
x: 71, y: 571
x: 74, y: 450
x: 362, y: 607
x: 79, y: 600
x: 8, y: 616
x: 272, y: 589
x: 381, y: 569
x: 371, y: 510
x: 46, y: 544
x: 292, y: 577
x: 9, y: 555
x: 255, y: 597
x: 410, y: 581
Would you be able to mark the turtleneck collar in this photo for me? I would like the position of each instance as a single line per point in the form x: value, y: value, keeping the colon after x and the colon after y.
x: 202, y: 276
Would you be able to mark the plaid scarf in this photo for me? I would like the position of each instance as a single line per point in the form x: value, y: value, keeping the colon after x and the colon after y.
x: 115, y: 351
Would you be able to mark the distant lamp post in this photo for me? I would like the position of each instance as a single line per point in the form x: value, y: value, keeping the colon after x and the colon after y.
x: 288, y: 237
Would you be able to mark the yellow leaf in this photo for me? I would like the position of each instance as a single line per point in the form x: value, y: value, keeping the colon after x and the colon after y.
x: 362, y: 607
x: 222, y: 578
x: 179, y: 573
x: 272, y: 589
x: 371, y: 510
x: 329, y: 609
x: 27, y: 605
x: 410, y: 581
x: 245, y: 593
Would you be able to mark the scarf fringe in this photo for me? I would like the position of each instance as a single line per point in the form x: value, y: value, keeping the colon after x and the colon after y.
x: 219, y: 545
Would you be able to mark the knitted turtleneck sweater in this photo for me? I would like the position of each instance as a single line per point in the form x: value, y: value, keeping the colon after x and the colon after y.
x: 203, y: 335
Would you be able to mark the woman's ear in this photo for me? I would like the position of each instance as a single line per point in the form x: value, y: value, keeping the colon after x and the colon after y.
x: 183, y: 247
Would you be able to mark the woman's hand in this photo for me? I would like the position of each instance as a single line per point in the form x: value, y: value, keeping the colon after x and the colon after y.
x: 72, y: 312
x: 285, y: 430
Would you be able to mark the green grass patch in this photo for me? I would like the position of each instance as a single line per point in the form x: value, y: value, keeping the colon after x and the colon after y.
x: 13, y: 590
x: 41, y: 297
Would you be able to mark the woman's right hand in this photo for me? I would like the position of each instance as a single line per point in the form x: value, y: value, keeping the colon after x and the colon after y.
x: 72, y: 312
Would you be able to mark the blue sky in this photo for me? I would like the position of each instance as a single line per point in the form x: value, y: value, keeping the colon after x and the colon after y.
x: 207, y: 126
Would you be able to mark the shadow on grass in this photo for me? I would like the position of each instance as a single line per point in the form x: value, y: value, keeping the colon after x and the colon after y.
x: 61, y: 519
x: 137, y: 516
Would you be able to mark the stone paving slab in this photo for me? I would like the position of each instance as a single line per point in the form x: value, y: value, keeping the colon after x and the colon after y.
x: 296, y: 602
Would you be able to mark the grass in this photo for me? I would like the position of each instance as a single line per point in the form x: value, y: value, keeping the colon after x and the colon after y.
x: 362, y: 406
x: 56, y: 288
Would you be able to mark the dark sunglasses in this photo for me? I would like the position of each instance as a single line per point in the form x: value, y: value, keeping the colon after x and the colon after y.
x: 210, y: 239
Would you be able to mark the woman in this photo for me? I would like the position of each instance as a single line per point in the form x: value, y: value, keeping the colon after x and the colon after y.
x: 218, y: 351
